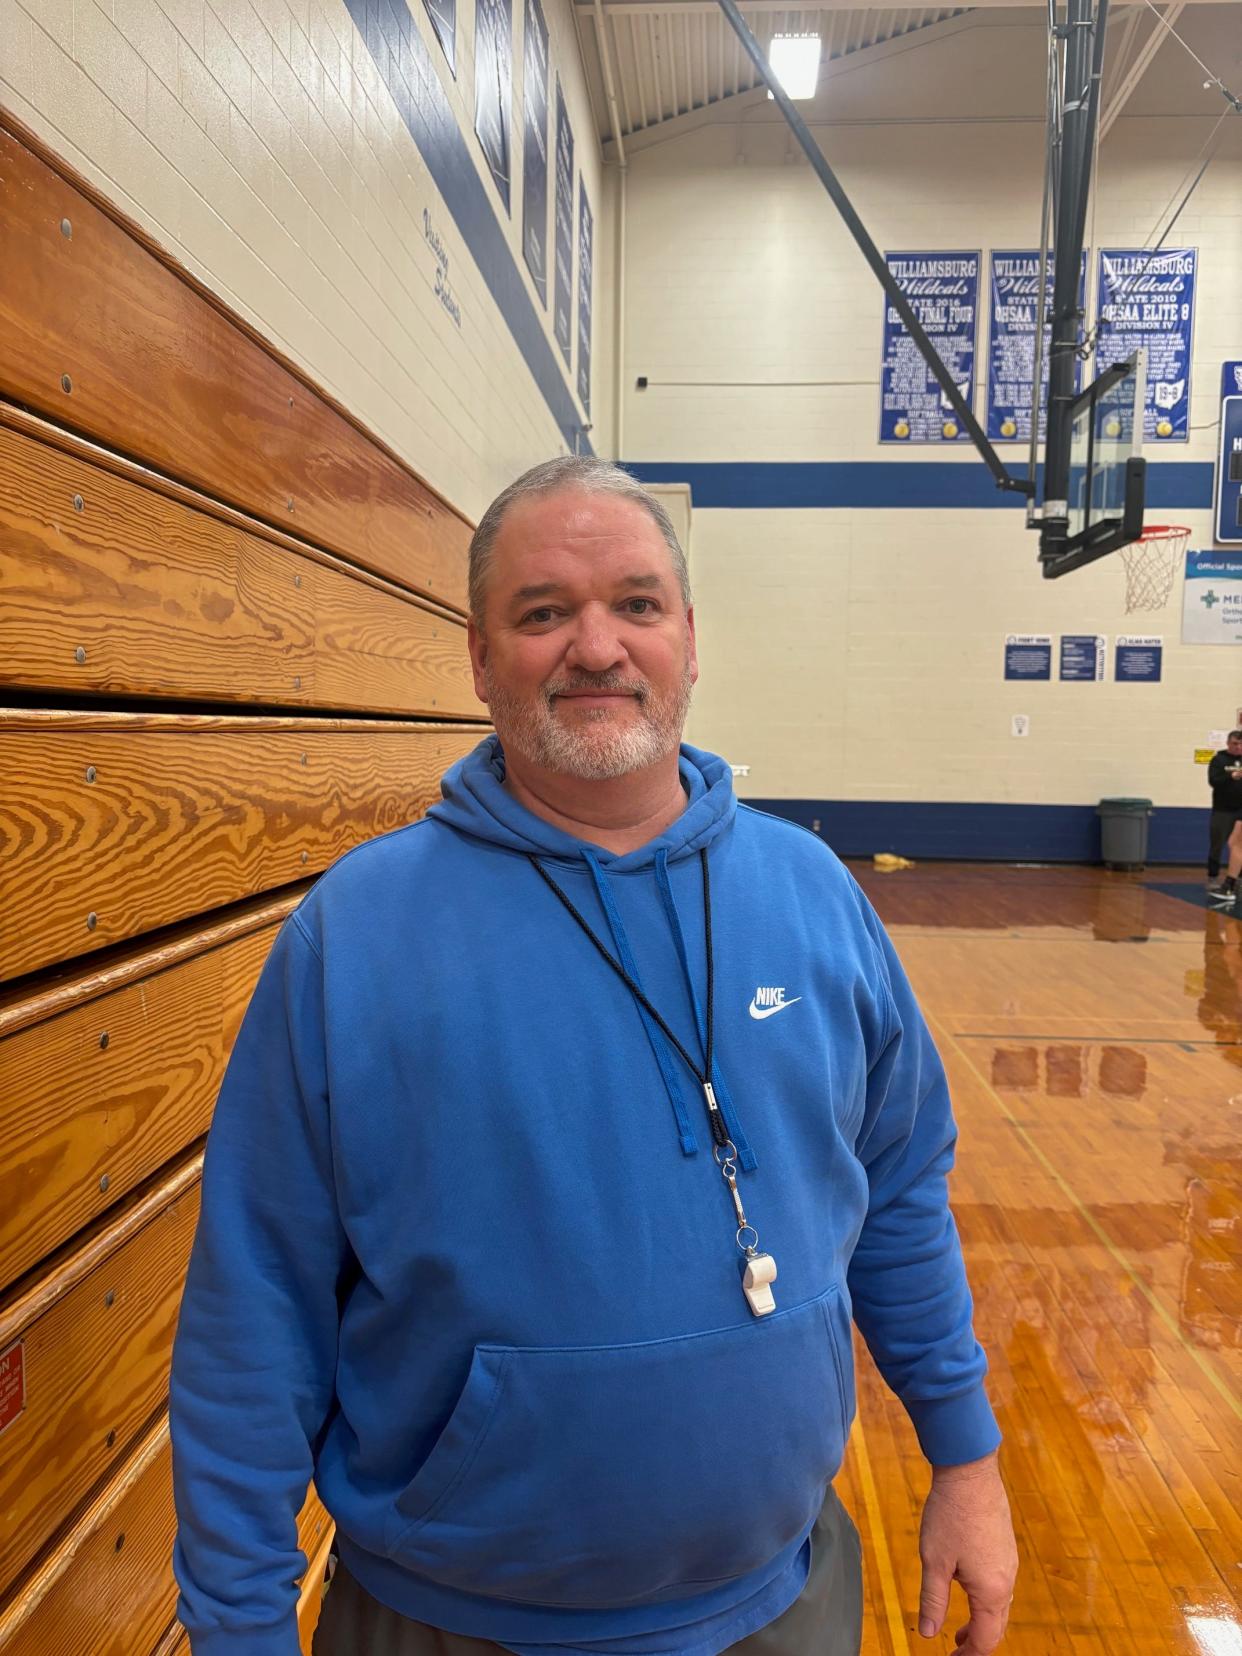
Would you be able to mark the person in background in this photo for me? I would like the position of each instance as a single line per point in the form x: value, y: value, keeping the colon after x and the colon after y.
x: 1225, y: 781
x: 567, y: 1133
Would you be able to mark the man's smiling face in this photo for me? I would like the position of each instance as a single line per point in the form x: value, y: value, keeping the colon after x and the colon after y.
x: 585, y: 656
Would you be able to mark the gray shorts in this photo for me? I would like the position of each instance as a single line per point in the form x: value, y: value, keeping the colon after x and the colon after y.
x: 826, y: 1620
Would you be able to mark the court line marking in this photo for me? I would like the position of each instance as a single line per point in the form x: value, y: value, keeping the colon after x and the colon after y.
x: 879, y: 1543
x: 1208, y: 1369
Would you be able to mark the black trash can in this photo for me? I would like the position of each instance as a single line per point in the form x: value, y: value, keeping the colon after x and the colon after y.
x: 1123, y: 832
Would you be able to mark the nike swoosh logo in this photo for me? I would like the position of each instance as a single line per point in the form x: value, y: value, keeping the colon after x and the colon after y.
x: 771, y: 1011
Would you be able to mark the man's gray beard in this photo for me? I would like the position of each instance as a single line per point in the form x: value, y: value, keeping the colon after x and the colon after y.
x: 593, y: 750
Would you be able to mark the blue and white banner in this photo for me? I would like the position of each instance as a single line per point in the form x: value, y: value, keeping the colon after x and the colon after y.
x: 443, y: 15
x: 1028, y: 655
x: 1149, y: 301
x: 943, y: 290
x: 1138, y: 658
x: 586, y: 232
x: 493, y: 87
x: 1082, y: 657
x: 1229, y: 464
x: 535, y: 147
x: 1212, y: 598
x: 1011, y: 344
x: 563, y: 282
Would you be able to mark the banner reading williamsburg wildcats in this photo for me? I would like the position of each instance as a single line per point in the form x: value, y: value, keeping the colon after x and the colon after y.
x: 943, y: 290
x: 535, y: 147
x: 493, y: 87
x: 1150, y: 301
x: 563, y: 242
x: 443, y: 15
x: 586, y: 238
x: 1011, y: 345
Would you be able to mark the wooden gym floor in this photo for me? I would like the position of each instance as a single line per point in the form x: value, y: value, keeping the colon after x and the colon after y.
x: 1092, y: 1030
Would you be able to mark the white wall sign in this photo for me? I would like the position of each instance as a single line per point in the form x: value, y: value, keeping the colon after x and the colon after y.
x: 1212, y: 598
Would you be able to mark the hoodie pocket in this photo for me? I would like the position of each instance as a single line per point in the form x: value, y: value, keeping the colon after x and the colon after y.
x: 600, y: 1476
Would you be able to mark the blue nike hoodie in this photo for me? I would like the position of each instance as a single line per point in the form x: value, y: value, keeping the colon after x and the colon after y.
x: 465, y: 1255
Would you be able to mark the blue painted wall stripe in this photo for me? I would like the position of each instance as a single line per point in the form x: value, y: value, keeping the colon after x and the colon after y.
x: 405, y: 67
x: 984, y: 832
x: 888, y: 484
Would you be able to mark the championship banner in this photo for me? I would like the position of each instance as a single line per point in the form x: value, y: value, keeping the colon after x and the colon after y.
x: 1229, y: 462
x: 1014, y: 289
x: 443, y: 15
x: 493, y: 87
x: 1149, y: 301
x: 563, y: 282
x: 1212, y: 598
x: 586, y: 231
x: 535, y: 147
x: 943, y: 290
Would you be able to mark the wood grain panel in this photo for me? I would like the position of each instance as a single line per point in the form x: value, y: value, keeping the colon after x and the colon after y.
x: 110, y: 587
x: 107, y: 1589
x: 114, y: 824
x: 310, y: 1600
x: 156, y: 368
x: 314, y: 1525
x: 96, y: 1364
x: 98, y: 1098
x: 315, y: 1535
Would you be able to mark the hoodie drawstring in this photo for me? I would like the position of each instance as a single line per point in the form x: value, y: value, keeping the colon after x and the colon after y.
x: 659, y: 1045
x: 746, y: 1156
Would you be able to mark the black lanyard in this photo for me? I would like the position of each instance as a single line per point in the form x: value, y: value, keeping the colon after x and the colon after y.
x: 702, y: 1076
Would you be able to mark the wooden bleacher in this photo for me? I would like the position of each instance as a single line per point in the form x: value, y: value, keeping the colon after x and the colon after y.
x: 232, y: 646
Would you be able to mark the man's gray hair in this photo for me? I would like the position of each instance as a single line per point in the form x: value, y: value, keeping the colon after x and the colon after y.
x: 570, y: 471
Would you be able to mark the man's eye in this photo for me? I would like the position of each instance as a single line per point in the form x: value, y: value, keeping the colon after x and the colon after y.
x: 640, y: 606
x: 538, y: 616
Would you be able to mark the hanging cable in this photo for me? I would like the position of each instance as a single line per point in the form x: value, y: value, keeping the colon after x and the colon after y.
x: 1213, y: 80
x: 1211, y: 144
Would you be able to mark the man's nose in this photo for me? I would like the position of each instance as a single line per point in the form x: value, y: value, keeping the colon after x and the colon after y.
x: 596, y: 645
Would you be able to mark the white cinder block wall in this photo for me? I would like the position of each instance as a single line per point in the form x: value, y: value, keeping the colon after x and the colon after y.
x: 260, y: 145
x: 857, y: 654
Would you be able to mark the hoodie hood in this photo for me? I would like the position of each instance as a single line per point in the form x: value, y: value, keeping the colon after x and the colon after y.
x: 476, y: 802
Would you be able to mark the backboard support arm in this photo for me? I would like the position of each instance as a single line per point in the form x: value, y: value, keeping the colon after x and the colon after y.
x: 1004, y: 477
x: 1084, y: 64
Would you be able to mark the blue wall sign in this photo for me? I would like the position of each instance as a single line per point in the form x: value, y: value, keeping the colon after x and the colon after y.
x: 1229, y: 463
x: 586, y: 232
x: 1149, y: 301
x: 535, y: 147
x: 943, y: 290
x: 1014, y: 290
x: 493, y: 87
x: 1138, y: 659
x: 443, y: 15
x: 1028, y: 656
x: 1212, y: 598
x: 563, y: 284
x: 1082, y: 657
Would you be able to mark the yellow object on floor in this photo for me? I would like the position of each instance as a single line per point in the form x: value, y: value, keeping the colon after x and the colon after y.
x: 888, y: 862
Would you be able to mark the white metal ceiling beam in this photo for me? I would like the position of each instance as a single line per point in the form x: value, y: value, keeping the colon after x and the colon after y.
x: 1153, y: 43
x: 755, y: 93
x: 755, y: 7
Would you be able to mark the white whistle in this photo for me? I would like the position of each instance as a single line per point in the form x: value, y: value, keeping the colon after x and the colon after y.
x: 760, y: 1271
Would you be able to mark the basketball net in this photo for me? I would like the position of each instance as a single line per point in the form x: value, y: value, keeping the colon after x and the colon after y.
x: 1152, y: 563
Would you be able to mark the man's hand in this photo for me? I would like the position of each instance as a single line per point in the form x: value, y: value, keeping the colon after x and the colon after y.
x: 967, y: 1536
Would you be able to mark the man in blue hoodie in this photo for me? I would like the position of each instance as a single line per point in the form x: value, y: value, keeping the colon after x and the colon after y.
x: 566, y: 1133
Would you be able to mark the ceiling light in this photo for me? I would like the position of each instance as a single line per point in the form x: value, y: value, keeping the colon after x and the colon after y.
x: 795, y: 63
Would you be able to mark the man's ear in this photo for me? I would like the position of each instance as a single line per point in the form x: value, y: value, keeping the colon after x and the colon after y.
x: 476, y: 642
x: 694, y: 654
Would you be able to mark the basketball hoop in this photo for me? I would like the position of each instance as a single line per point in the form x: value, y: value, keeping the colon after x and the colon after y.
x: 1151, y: 565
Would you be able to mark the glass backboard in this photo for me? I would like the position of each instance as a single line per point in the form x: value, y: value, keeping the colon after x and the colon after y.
x: 1105, y: 496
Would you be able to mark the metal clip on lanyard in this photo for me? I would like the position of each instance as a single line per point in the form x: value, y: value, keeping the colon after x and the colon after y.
x: 760, y: 1270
